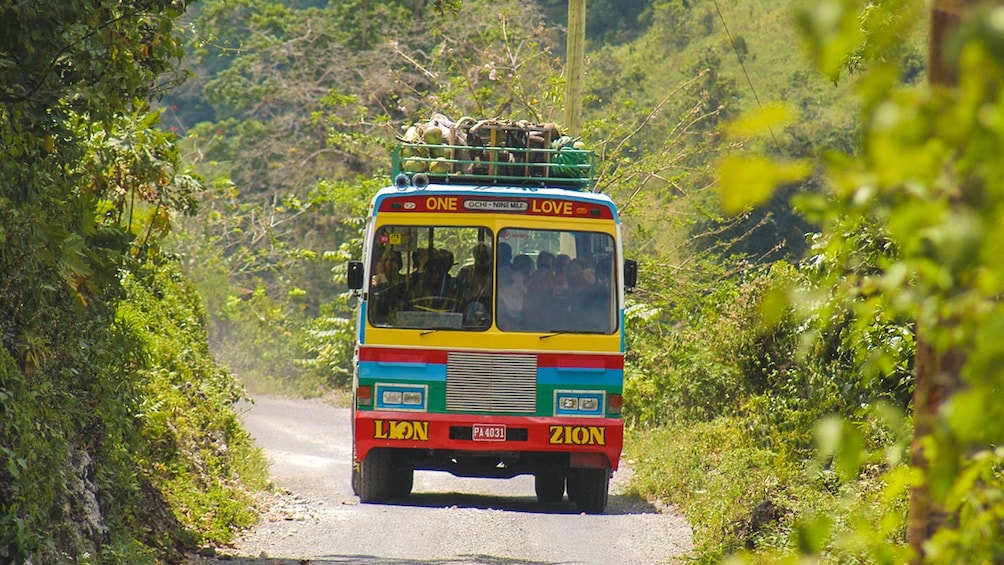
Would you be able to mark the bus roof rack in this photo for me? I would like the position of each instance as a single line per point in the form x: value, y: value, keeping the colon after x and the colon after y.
x: 569, y: 167
x: 494, y: 153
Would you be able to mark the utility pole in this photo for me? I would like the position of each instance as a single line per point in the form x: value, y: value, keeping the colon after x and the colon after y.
x: 575, y: 63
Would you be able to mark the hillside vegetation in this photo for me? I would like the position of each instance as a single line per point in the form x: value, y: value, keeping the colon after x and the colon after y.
x: 118, y: 440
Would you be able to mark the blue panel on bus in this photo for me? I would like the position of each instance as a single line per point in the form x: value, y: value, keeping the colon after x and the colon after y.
x: 362, y: 327
x: 579, y: 375
x: 424, y: 372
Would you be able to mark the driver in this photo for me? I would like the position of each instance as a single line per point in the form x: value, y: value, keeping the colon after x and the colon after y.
x: 436, y: 282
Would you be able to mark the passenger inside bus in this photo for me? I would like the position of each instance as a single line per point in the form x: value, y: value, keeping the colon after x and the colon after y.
x: 546, y: 278
x: 388, y: 287
x: 434, y: 289
x: 587, y: 302
x: 506, y: 280
x: 561, y: 265
x: 419, y: 258
x: 474, y: 283
x: 512, y: 291
x: 388, y: 271
x: 475, y: 280
x: 539, y: 305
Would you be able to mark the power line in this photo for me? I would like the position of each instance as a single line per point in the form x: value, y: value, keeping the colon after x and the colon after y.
x: 742, y: 65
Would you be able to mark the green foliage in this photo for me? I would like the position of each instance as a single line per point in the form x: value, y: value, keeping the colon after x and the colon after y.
x: 28, y: 452
x: 688, y: 38
x: 257, y: 338
x: 137, y: 408
x: 674, y: 371
x: 731, y: 490
x: 329, y: 342
x: 928, y: 175
x: 909, y: 235
x: 710, y: 348
x: 704, y: 353
x: 276, y: 336
x: 60, y: 54
x: 90, y: 185
x: 198, y: 455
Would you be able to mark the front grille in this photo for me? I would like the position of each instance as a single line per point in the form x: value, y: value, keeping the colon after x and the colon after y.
x: 484, y: 382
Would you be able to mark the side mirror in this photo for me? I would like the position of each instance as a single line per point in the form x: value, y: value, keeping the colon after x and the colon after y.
x: 355, y: 275
x: 630, y: 274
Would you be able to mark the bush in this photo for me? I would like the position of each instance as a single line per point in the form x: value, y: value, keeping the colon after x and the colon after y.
x: 122, y: 443
x: 733, y: 492
x: 195, y: 451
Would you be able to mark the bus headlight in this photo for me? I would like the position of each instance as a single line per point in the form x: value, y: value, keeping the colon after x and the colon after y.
x: 568, y: 403
x: 413, y: 398
x: 579, y: 403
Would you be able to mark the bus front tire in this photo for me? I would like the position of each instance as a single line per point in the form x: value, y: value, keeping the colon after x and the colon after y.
x: 549, y: 485
x: 402, y: 482
x: 591, y: 487
x: 376, y: 476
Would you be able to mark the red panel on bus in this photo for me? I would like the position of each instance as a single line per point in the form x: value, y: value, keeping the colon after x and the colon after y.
x: 395, y: 355
x: 581, y: 361
x: 466, y: 204
x: 544, y: 360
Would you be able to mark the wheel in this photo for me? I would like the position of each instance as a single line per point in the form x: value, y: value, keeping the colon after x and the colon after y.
x: 402, y: 482
x: 550, y: 486
x: 376, y: 475
x: 570, y: 485
x: 591, y: 488
x: 355, y: 466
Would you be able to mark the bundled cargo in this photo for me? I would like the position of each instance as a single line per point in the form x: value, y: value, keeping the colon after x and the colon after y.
x: 493, y: 152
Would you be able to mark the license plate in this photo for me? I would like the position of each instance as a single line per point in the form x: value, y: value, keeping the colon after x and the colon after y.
x: 488, y: 432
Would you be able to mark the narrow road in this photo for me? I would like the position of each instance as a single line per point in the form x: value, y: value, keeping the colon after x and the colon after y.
x: 314, y: 517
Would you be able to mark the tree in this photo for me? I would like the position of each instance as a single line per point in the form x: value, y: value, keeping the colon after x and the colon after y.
x: 68, y: 65
x: 89, y: 183
x: 927, y: 180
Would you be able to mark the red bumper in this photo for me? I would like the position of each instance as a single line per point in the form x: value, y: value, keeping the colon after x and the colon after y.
x: 584, y: 438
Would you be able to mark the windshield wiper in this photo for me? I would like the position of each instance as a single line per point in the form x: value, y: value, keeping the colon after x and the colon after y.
x: 553, y: 333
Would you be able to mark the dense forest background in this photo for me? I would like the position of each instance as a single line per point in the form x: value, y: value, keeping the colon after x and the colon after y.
x: 291, y: 108
x: 787, y: 182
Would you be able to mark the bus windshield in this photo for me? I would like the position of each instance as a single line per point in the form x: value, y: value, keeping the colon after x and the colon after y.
x: 469, y: 278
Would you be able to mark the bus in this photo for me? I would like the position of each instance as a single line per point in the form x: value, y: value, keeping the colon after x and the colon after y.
x: 490, y: 335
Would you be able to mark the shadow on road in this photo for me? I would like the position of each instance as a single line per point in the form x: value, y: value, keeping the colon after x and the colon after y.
x: 618, y: 504
x: 372, y: 560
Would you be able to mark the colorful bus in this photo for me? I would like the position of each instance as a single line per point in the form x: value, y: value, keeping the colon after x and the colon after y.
x: 490, y: 335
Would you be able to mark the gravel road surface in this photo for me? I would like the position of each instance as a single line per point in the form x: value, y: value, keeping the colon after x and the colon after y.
x: 313, y: 517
